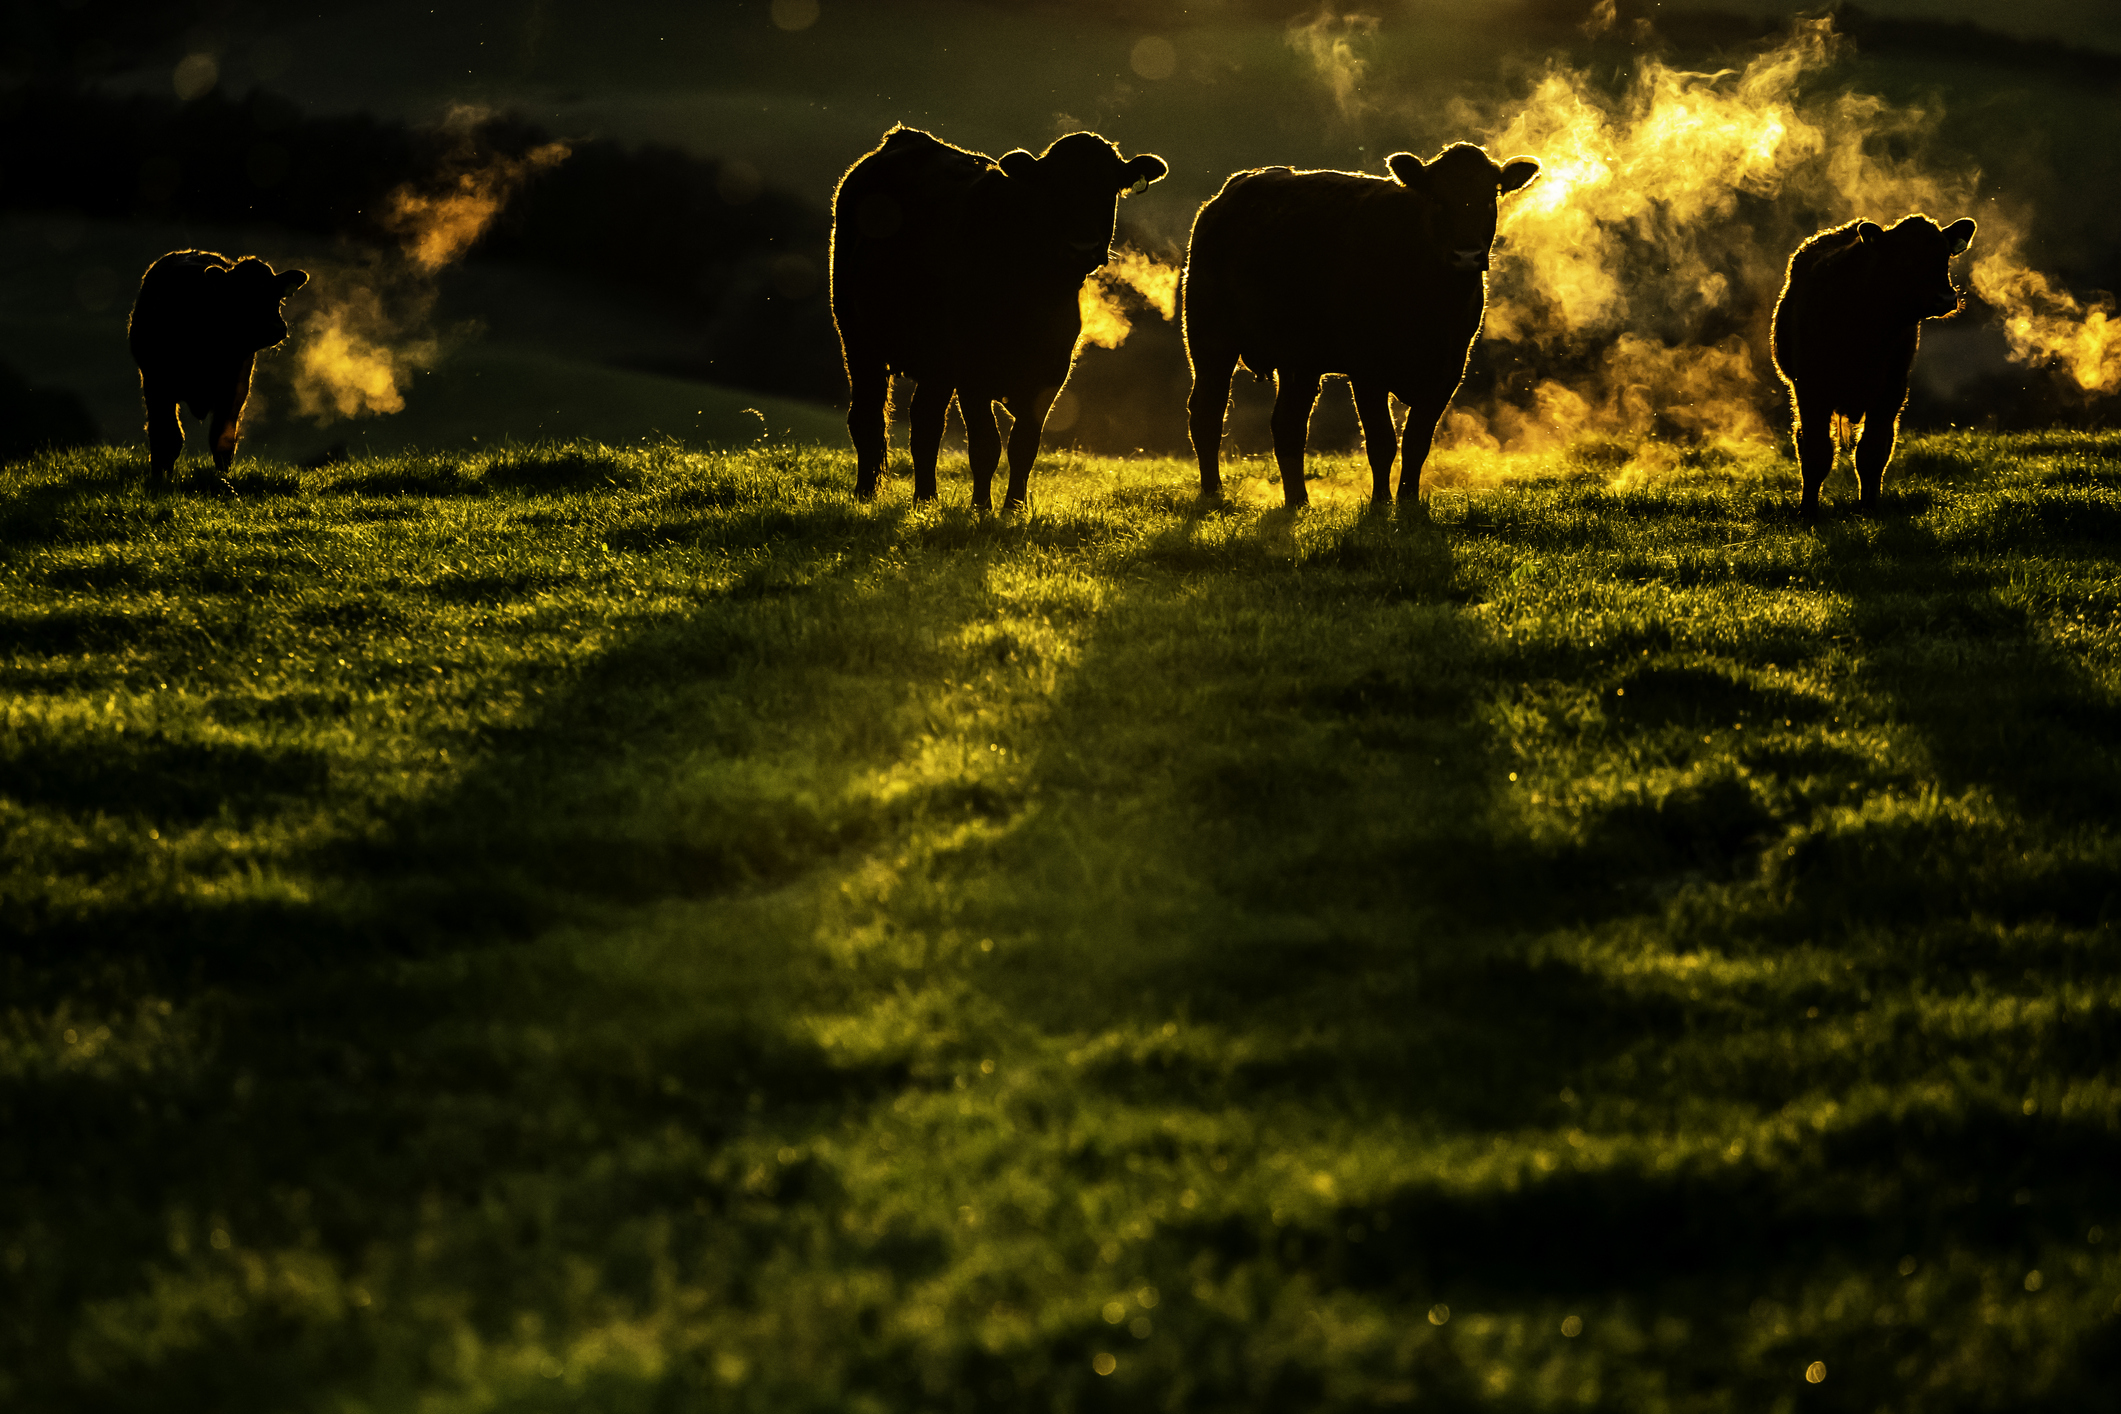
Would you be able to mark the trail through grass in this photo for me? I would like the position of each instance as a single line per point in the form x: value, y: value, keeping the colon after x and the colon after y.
x: 631, y: 930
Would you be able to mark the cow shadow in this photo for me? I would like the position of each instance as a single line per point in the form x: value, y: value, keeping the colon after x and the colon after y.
x: 1342, y: 875
x: 2000, y: 706
x: 394, y: 1016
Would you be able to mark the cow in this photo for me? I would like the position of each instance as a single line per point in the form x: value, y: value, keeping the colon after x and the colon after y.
x: 196, y: 329
x: 963, y: 272
x: 1302, y: 274
x: 1845, y: 331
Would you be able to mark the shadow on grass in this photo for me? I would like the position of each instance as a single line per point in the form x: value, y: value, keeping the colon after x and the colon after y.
x: 152, y: 777
x: 1268, y: 797
x: 1999, y: 709
x: 385, y: 1043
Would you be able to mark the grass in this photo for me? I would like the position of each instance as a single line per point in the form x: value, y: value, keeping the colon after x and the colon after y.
x: 633, y: 930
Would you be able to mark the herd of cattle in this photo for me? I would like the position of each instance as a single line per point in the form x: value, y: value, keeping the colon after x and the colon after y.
x: 963, y: 274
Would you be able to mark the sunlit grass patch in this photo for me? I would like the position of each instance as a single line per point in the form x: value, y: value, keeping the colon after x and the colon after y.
x: 608, y: 926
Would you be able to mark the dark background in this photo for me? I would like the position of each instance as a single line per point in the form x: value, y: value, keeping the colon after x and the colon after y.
x: 675, y: 260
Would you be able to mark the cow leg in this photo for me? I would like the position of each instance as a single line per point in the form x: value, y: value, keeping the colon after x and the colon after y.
x: 868, y: 421
x: 165, y: 433
x: 223, y: 437
x: 1881, y: 426
x: 228, y: 418
x: 1425, y: 412
x: 1030, y: 411
x: 1295, y: 394
x: 931, y: 406
x: 983, y: 440
x: 1379, y: 438
x: 1206, y: 409
x: 1814, y: 435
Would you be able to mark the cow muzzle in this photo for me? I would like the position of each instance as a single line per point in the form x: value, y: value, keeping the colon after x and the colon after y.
x: 1470, y: 259
x: 1943, y: 304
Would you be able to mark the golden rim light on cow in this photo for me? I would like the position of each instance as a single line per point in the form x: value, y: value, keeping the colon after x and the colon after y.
x: 197, y: 326
x: 1846, y: 328
x: 1300, y: 275
x: 964, y: 273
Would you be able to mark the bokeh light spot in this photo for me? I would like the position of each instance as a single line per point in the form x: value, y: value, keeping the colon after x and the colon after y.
x: 1154, y: 58
x: 195, y: 76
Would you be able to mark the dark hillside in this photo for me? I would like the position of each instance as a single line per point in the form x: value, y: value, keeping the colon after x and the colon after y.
x: 744, y: 259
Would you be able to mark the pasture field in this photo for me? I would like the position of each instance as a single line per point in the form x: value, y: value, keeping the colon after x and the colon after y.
x: 571, y: 928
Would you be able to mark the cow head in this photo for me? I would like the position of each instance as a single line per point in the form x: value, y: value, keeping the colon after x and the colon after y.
x: 1461, y: 184
x: 246, y: 298
x: 1074, y: 190
x: 1912, y: 263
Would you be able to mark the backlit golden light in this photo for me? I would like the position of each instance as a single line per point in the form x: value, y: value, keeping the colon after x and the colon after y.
x: 1664, y: 215
x: 366, y: 335
x: 1100, y: 301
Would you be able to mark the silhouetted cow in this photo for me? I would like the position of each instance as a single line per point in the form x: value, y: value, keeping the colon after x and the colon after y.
x: 196, y: 329
x: 1301, y: 274
x: 963, y: 273
x: 1846, y: 327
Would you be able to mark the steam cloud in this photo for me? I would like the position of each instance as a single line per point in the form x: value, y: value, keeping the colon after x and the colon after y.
x: 361, y: 342
x: 1641, y: 266
x: 438, y: 227
x: 355, y: 354
x: 1102, y: 301
x: 1328, y: 41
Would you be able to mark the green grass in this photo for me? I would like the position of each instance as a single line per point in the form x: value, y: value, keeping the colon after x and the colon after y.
x: 636, y: 930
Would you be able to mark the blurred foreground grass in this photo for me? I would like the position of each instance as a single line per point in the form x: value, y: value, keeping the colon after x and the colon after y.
x: 627, y: 930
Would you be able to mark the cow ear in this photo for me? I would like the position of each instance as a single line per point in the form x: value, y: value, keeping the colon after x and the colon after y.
x: 1406, y: 167
x: 1518, y: 172
x: 216, y: 271
x: 292, y: 280
x: 1018, y: 163
x: 1869, y: 230
x: 1143, y: 170
x: 1961, y: 234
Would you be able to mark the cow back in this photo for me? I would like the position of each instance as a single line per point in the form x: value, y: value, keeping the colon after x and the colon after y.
x: 900, y: 252
x: 172, y: 316
x: 1332, y: 271
x: 200, y: 319
x: 1847, y: 324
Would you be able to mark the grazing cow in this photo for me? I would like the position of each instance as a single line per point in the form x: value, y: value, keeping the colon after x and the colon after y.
x: 1301, y: 274
x: 196, y: 329
x: 963, y: 273
x: 1846, y: 326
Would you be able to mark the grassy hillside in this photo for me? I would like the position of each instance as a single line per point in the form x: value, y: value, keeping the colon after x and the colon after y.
x: 573, y: 928
x: 524, y: 355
